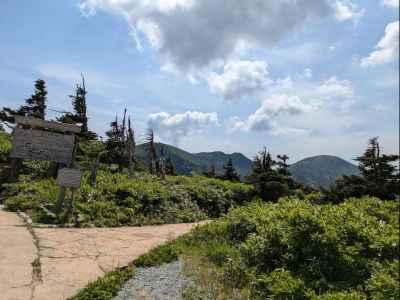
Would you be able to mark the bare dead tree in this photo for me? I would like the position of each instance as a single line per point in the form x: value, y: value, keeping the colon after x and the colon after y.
x: 151, y: 151
x: 131, y: 145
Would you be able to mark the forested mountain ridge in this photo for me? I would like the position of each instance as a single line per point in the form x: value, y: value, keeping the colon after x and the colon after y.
x: 186, y: 163
x: 321, y: 170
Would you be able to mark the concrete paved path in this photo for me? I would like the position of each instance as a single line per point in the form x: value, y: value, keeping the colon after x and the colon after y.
x: 69, y: 258
x: 17, y: 253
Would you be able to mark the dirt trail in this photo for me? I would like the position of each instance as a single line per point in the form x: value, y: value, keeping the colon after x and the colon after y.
x: 69, y: 258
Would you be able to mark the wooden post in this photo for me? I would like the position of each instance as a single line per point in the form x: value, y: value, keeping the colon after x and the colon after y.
x: 93, y: 175
x: 14, y: 169
x: 61, y: 195
x: 60, y: 201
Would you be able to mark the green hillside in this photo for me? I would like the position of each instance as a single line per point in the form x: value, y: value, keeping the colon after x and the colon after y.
x: 321, y: 170
x: 187, y: 163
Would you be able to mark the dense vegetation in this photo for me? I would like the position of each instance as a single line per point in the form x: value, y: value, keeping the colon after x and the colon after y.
x: 293, y: 249
x: 120, y: 200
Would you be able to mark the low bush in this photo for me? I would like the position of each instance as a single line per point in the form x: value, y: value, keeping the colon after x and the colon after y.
x: 119, y: 200
x: 292, y: 249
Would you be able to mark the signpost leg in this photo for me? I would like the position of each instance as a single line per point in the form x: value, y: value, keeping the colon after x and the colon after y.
x: 14, y: 171
x: 60, y: 201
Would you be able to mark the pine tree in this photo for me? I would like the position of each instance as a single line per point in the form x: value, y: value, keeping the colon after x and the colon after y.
x: 161, y: 163
x: 169, y: 166
x: 270, y: 184
x: 79, y: 116
x: 379, y: 177
x: 282, y: 164
x: 263, y: 162
x: 230, y: 171
x: 35, y: 105
x: 378, y: 169
x: 115, y: 144
x: 211, y: 173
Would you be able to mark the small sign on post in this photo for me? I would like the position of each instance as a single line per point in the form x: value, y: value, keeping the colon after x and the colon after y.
x: 69, y: 178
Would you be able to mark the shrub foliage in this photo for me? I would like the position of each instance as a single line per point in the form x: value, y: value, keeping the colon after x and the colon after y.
x: 294, y: 249
x: 119, y: 200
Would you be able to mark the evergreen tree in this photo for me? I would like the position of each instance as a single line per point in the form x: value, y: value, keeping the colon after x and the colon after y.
x: 79, y: 116
x: 282, y: 165
x: 161, y: 163
x: 211, y: 173
x: 379, y: 177
x: 230, y: 171
x: 169, y: 166
x: 35, y: 105
x: 379, y: 170
x: 263, y: 162
x: 116, y: 143
x: 271, y: 184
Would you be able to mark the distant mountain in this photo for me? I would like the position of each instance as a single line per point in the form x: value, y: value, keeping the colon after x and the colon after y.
x: 315, y: 171
x: 187, y: 163
x: 321, y: 170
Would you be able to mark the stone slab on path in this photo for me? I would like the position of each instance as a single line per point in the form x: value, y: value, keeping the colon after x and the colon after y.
x: 70, y: 258
x: 17, y: 253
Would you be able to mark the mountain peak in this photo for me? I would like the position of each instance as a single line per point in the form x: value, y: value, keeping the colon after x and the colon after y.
x: 321, y: 170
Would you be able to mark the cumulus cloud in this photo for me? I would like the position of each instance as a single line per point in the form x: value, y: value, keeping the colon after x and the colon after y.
x: 194, y: 34
x: 263, y: 119
x: 346, y: 10
x: 174, y: 127
x: 391, y: 3
x: 239, y: 78
x: 387, y: 49
x: 295, y: 99
x: 335, y: 90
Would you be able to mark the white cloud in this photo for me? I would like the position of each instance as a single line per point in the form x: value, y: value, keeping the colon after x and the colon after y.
x: 346, y: 10
x: 174, y: 127
x: 387, y: 49
x: 294, y: 99
x: 263, y: 119
x: 307, y: 73
x: 341, y: 92
x: 239, y: 79
x: 391, y: 3
x: 195, y: 34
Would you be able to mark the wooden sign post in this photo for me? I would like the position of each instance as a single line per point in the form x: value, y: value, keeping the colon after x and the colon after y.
x: 38, y: 139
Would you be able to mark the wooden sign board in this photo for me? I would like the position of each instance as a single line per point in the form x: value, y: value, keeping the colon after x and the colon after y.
x: 69, y: 178
x: 39, y: 123
x: 42, y: 145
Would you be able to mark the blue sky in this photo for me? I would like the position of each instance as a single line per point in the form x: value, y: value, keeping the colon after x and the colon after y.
x: 300, y: 77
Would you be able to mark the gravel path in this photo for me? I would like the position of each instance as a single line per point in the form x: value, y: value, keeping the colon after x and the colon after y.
x: 165, y: 282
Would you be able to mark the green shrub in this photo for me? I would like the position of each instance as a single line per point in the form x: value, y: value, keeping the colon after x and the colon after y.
x: 119, y: 200
x: 107, y: 287
x: 292, y: 249
x: 298, y: 250
x: 5, y: 146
